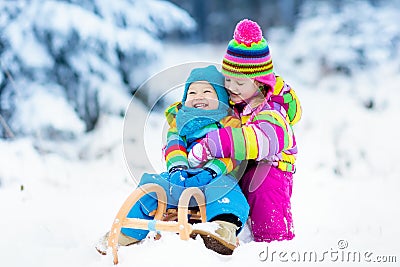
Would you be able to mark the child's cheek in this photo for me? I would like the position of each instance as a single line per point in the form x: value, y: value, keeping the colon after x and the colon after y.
x: 189, y: 103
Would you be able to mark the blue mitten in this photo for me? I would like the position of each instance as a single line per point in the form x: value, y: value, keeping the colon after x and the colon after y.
x: 177, y: 178
x: 202, y: 178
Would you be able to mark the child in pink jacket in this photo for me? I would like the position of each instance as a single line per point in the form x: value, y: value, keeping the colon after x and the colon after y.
x: 267, y: 107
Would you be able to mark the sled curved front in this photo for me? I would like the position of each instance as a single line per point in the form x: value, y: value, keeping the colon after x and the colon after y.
x: 181, y: 226
x: 120, y: 219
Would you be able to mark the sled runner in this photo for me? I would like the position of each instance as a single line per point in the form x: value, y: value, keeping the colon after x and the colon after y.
x: 163, y: 220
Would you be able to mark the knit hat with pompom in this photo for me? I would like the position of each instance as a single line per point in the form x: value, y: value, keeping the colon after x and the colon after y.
x: 248, y: 55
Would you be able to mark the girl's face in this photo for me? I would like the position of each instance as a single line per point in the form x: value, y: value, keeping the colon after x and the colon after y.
x: 202, y: 95
x: 240, y: 89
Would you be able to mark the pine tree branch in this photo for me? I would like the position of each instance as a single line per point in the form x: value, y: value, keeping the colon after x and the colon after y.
x: 9, y: 132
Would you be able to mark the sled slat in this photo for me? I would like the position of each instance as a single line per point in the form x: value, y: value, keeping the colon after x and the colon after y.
x: 144, y: 225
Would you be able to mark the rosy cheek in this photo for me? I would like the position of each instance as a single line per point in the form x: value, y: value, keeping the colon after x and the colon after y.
x: 189, y: 103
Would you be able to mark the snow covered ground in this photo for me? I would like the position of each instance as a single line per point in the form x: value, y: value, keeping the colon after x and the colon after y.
x: 55, y: 206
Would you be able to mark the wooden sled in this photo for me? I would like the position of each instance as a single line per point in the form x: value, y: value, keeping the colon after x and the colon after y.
x: 162, y: 219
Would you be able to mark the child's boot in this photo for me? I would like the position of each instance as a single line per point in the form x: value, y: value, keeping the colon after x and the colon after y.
x: 123, y: 240
x: 222, y: 240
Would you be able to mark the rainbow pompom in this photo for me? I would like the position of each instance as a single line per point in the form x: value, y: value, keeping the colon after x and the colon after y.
x: 247, y: 32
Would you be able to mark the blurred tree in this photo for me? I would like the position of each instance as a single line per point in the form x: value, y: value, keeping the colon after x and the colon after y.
x: 216, y: 18
x: 86, y: 56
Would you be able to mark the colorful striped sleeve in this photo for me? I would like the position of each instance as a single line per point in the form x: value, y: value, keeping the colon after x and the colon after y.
x: 267, y: 135
x: 294, y: 110
x: 221, y: 165
x: 175, y: 151
x: 284, y: 95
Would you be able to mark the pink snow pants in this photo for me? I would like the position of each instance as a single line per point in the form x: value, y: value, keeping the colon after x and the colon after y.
x: 268, y: 191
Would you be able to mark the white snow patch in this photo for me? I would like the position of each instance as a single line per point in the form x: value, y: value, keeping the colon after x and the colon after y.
x: 208, y: 226
x: 43, y: 108
x: 224, y: 200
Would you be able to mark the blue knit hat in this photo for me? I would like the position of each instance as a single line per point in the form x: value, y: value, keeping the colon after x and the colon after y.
x: 211, y: 75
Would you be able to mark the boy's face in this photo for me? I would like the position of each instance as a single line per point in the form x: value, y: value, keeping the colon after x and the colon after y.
x: 202, y: 95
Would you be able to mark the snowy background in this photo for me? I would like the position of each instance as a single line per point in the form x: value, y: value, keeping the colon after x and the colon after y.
x: 68, y: 72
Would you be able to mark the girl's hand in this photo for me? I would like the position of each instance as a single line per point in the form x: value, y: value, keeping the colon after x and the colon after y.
x: 198, y: 155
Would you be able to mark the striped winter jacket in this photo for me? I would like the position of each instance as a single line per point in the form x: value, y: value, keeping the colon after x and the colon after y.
x: 265, y: 136
x: 285, y: 100
x: 176, y: 149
